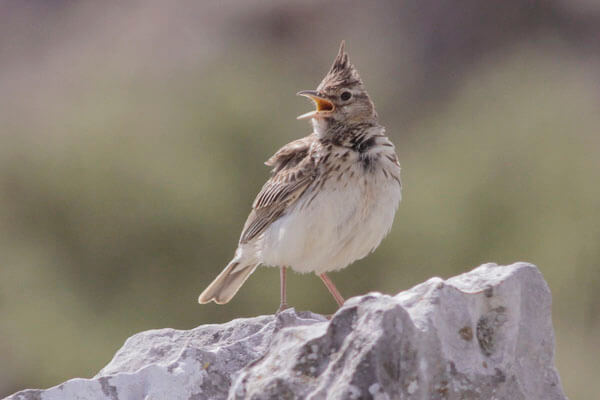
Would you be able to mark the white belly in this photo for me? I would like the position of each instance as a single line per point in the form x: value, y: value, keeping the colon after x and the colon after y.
x: 343, y: 223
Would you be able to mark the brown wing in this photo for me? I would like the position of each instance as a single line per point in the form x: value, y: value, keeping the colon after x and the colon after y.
x: 294, y: 170
x: 291, y: 154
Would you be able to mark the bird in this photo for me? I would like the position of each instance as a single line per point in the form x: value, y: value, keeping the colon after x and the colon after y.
x: 332, y: 195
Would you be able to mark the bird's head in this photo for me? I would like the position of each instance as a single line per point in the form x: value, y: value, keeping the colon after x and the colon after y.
x: 340, y: 97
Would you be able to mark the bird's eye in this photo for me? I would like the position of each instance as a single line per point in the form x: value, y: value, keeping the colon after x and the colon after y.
x: 345, y: 96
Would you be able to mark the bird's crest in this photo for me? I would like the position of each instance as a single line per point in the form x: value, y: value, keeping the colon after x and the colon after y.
x: 341, y: 73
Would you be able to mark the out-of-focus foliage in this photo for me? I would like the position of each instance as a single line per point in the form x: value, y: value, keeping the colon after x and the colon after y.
x: 132, y: 139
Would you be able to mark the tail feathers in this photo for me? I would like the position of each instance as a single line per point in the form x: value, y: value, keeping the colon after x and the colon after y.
x: 226, y: 285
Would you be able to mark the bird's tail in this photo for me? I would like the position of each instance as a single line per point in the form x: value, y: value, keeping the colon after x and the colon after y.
x: 226, y: 285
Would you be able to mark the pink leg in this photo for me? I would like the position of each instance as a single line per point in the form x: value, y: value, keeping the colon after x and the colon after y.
x: 283, y: 302
x: 332, y: 289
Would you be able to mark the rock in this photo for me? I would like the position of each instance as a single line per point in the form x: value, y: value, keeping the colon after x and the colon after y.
x: 486, y: 334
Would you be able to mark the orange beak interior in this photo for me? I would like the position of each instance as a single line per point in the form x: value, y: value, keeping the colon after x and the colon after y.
x: 323, y: 105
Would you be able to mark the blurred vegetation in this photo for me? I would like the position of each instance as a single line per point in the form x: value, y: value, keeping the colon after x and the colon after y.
x: 132, y: 142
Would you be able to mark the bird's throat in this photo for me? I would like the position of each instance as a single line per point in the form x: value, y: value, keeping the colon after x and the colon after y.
x: 321, y: 126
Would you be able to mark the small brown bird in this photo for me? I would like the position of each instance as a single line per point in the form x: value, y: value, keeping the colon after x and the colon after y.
x: 332, y: 196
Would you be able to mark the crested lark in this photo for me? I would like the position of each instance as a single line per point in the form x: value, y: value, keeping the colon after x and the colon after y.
x: 332, y: 196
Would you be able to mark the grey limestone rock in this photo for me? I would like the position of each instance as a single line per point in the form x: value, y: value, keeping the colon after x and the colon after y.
x: 485, y: 334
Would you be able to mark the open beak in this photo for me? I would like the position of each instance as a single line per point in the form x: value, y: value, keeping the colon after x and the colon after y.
x: 324, y: 106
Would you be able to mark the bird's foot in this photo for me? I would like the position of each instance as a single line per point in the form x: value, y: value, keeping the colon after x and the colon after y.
x: 282, y: 307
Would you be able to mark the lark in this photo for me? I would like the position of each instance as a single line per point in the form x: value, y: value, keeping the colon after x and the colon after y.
x: 332, y: 195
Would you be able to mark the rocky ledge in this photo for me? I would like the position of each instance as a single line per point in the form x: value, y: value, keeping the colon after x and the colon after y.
x: 485, y: 334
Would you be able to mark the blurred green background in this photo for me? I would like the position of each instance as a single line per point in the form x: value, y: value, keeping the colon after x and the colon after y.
x: 132, y: 138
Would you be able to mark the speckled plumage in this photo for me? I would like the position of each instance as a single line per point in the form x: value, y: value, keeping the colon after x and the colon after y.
x: 332, y: 196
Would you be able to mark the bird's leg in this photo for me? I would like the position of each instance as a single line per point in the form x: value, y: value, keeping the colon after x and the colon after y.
x: 332, y: 289
x: 283, y: 303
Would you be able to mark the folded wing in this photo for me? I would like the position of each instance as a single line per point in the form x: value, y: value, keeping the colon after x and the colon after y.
x: 293, y: 171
